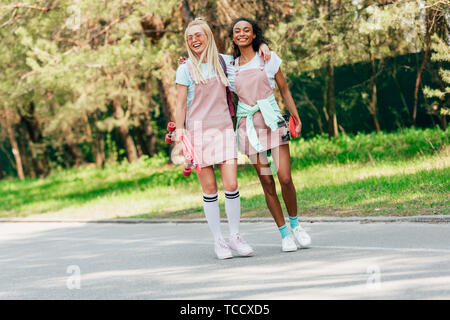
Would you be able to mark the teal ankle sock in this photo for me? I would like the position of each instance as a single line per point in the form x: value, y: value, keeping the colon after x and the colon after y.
x: 293, y: 221
x: 284, y: 231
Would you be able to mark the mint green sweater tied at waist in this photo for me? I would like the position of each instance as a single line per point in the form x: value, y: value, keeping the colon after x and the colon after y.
x: 270, y: 112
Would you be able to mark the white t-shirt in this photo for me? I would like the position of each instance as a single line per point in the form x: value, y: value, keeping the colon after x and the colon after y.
x: 271, y: 67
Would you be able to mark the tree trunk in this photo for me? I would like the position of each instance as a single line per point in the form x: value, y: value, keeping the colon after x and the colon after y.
x: 26, y: 155
x: 400, y: 91
x: 331, y: 102
x: 98, y: 141
x: 421, y: 68
x: 118, y: 142
x: 75, y: 154
x: 168, y: 92
x: 35, y: 164
x: 130, y: 147
x: 217, y: 29
x: 416, y: 89
x: 39, y: 158
x: 2, y: 175
x: 186, y: 13
x: 373, y: 102
x: 443, y: 122
x: 14, y: 145
x: 100, y: 148
x: 146, y: 137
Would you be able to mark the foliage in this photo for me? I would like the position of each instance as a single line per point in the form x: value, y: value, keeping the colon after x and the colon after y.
x: 402, y: 173
x: 87, y: 82
x: 375, y: 146
x: 442, y: 55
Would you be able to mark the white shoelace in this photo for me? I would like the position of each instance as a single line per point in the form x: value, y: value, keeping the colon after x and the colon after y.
x: 240, y: 239
x: 222, y: 244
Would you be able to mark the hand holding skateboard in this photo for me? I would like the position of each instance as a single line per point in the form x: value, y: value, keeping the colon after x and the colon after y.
x: 289, y: 123
x: 293, y: 127
x: 189, y: 154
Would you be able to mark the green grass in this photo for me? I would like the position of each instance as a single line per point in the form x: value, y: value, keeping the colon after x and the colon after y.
x: 403, y: 173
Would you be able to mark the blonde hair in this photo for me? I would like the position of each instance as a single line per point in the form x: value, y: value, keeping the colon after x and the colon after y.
x: 210, y: 54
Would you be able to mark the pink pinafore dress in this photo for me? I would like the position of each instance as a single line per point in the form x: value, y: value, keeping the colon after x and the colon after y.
x: 252, y: 85
x: 208, y: 123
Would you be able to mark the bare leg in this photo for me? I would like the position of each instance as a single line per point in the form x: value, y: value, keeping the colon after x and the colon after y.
x: 228, y: 172
x: 282, y: 159
x: 208, y: 180
x: 268, y: 184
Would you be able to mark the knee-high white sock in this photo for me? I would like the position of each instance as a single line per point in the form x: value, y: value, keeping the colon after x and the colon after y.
x: 233, y: 210
x: 212, y: 214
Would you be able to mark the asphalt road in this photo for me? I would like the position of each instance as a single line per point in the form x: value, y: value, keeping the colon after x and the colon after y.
x: 176, y: 261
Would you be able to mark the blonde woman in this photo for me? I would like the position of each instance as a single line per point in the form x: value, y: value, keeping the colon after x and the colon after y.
x: 203, y: 117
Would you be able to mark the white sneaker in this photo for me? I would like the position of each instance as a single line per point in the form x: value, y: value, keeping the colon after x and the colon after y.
x: 288, y: 244
x: 237, y: 243
x: 222, y: 250
x: 303, y: 238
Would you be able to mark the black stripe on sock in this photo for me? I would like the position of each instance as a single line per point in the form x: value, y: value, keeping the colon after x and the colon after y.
x: 232, y: 195
x: 230, y: 198
x: 210, y: 199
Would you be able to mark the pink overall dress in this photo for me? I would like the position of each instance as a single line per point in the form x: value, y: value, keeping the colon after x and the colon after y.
x: 208, y: 123
x: 252, y: 85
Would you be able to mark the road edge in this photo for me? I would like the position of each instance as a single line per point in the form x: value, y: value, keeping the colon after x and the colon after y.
x: 384, y: 219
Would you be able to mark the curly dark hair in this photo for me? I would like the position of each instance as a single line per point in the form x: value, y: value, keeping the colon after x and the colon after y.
x: 259, y: 39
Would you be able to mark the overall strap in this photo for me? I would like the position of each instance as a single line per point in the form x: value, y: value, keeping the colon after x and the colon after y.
x: 228, y: 92
x: 236, y: 65
x: 223, y: 64
x: 261, y: 63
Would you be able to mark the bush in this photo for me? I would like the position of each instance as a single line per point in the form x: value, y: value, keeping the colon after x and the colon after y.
x: 400, y: 145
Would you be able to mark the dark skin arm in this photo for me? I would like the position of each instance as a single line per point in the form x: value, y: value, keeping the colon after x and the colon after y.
x: 287, y: 97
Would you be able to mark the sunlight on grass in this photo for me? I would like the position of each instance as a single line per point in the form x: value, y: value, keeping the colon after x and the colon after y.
x: 331, y: 177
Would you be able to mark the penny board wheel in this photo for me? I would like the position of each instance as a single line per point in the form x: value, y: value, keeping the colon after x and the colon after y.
x: 186, y: 172
x: 169, y: 138
x: 171, y: 126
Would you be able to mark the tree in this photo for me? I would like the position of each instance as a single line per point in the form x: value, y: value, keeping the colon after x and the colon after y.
x: 441, y: 95
x: 438, y: 24
x: 84, y: 82
x: 14, y: 145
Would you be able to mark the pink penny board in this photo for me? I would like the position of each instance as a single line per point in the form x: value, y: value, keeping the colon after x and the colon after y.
x: 189, y: 151
x: 292, y: 127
